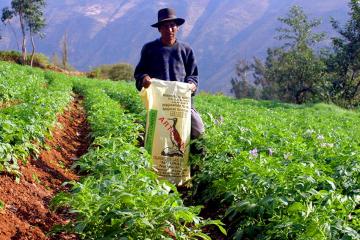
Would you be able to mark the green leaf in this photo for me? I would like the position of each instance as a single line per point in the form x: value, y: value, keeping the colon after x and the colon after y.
x: 296, y: 207
x: 219, y: 225
x: 202, y: 236
x: 2, y: 205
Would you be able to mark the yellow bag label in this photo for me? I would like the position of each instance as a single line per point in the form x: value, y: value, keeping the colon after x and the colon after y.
x: 168, y: 126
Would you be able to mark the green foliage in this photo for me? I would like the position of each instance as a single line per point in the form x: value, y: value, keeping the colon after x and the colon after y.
x: 126, y: 95
x: 39, y: 60
x: 344, y: 62
x: 35, y: 20
x: 280, y: 171
x: 122, y: 197
x: 18, y: 83
x: 2, y: 205
x: 34, y: 16
x: 296, y: 76
x: 121, y: 71
x: 10, y: 56
x: 31, y: 17
x: 276, y: 171
x: 17, y: 9
x: 298, y: 30
x: 115, y: 72
x: 241, y: 86
x: 39, y: 96
x: 292, y: 73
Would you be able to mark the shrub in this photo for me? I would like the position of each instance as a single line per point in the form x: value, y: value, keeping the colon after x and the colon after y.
x: 40, y: 60
x: 115, y: 72
x: 10, y: 56
x: 121, y: 71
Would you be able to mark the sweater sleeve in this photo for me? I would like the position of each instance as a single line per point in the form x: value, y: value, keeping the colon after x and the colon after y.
x: 191, y: 69
x: 140, y: 70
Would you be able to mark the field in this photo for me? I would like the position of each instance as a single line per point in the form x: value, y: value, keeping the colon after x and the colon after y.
x: 73, y: 166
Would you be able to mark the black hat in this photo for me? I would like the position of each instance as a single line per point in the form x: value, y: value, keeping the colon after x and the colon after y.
x: 167, y: 14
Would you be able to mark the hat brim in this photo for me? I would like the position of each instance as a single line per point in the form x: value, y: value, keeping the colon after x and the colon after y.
x: 178, y: 21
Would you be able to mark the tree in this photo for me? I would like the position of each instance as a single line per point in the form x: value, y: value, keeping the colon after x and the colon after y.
x: 30, y: 13
x: 17, y: 9
x: 115, y: 72
x: 298, y: 30
x: 296, y: 76
x: 5, y: 18
x: 35, y: 21
x: 293, y: 72
x: 65, y: 52
x: 344, y: 63
x: 121, y: 71
x: 241, y: 84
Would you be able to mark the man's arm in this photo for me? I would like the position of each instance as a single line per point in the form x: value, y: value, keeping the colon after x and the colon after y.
x: 191, y: 71
x: 140, y: 74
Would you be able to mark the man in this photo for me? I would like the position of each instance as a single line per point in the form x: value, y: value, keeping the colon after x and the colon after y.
x: 168, y: 59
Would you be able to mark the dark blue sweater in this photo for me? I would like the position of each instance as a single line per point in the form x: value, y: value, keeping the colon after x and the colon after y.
x: 170, y: 63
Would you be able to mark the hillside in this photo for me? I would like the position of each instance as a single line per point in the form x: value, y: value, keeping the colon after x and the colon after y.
x: 221, y: 32
x: 268, y: 169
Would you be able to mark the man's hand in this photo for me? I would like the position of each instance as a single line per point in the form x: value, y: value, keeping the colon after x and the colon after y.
x: 192, y: 87
x: 146, y: 81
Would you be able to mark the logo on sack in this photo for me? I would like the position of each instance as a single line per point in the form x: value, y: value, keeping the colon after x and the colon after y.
x: 178, y: 146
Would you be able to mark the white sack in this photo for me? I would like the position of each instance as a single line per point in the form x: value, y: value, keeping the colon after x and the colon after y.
x: 168, y: 125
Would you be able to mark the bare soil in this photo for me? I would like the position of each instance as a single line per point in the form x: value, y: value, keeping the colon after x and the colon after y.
x: 9, y: 103
x: 26, y: 214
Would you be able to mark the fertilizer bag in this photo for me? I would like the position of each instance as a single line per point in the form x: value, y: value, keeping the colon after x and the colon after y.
x: 168, y: 126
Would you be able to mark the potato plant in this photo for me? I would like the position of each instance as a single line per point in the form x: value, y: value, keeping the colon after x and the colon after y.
x: 281, y: 171
x: 269, y: 170
x: 23, y: 126
x: 122, y: 198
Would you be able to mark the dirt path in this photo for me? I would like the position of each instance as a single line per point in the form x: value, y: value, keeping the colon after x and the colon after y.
x: 26, y: 214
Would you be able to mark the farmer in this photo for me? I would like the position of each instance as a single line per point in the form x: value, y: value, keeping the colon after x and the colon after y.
x: 168, y: 59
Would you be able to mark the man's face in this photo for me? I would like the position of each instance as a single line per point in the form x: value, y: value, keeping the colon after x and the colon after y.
x: 168, y: 31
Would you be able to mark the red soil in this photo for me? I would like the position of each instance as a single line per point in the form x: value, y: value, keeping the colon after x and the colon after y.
x: 26, y: 214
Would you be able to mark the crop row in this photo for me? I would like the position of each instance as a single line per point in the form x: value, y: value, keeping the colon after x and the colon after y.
x: 281, y: 171
x: 272, y: 171
x: 278, y: 171
x: 127, y: 95
x: 121, y: 197
x: 24, y: 126
x: 16, y: 83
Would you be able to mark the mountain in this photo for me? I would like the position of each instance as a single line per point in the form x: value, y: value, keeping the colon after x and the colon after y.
x: 220, y: 32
